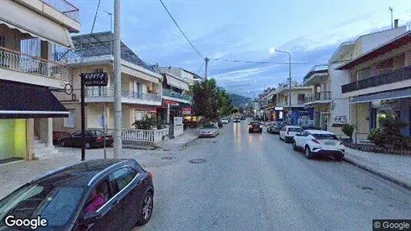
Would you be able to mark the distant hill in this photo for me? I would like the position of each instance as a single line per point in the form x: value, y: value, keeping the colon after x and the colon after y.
x: 239, y: 100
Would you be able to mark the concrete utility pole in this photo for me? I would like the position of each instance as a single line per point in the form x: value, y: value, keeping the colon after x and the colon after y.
x: 117, y: 81
x: 206, y: 67
x: 289, y: 83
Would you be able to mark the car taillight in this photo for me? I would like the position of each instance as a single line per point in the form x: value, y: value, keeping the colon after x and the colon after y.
x: 99, y: 139
x: 316, y: 141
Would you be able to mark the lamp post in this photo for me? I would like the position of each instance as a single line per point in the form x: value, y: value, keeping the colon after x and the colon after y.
x: 272, y: 51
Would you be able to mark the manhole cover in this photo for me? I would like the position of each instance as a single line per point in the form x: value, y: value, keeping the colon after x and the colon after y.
x: 197, y: 161
x: 167, y: 157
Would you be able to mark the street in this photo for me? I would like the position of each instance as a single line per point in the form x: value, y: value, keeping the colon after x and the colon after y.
x: 257, y: 182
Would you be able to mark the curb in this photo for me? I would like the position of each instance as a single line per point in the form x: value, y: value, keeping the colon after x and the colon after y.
x: 190, y: 141
x: 379, y: 174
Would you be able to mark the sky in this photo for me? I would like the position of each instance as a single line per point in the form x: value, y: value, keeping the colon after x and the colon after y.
x: 243, y: 30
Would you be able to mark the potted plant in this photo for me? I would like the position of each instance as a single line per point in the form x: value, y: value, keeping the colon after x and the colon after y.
x: 348, y: 130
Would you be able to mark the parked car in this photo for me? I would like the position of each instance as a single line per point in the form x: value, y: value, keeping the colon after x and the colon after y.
x: 209, y: 130
x: 255, y: 126
x: 274, y: 128
x: 94, y: 138
x: 242, y: 118
x: 225, y: 121
x: 288, y: 132
x: 319, y: 143
x: 67, y: 197
x: 59, y: 134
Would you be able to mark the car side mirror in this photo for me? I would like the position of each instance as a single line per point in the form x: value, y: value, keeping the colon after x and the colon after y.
x: 90, y: 218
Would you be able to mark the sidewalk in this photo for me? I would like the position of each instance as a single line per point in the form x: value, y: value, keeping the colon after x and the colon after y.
x: 394, y: 168
x: 179, y: 142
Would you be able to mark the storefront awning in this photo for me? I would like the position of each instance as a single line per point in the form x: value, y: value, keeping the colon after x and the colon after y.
x: 175, y: 82
x: 28, y: 101
x: 37, y: 25
x: 395, y: 94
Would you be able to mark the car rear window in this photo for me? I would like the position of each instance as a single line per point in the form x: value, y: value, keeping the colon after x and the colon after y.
x: 325, y: 136
x: 295, y: 129
x: 255, y: 123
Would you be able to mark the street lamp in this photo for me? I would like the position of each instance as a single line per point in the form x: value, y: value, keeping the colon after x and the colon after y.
x: 272, y: 51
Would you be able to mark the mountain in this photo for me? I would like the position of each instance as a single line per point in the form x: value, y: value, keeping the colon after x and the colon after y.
x: 239, y: 100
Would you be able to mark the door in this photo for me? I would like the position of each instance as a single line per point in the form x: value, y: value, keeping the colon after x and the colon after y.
x: 300, y: 140
x: 124, y: 183
x: 75, y: 139
x: 324, y: 121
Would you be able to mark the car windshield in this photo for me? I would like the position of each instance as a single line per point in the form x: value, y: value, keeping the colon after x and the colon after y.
x: 325, y: 136
x: 56, y: 204
x: 209, y: 126
x: 295, y: 129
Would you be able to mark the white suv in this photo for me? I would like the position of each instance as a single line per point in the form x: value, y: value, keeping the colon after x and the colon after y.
x: 288, y: 132
x: 319, y: 143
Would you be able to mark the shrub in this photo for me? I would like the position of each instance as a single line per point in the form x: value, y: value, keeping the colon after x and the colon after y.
x: 348, y: 130
x: 147, y: 123
x: 389, y: 133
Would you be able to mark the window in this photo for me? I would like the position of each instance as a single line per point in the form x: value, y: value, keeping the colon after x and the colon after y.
x: 325, y: 136
x: 301, y: 98
x: 295, y: 129
x: 99, y: 133
x: 70, y: 121
x: 122, y: 177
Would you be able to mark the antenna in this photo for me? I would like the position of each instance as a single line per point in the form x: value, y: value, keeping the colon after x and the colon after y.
x: 391, y: 10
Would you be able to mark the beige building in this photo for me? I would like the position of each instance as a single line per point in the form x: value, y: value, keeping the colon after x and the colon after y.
x: 29, y: 31
x: 140, y: 85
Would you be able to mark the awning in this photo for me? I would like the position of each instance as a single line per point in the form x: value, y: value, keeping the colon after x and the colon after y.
x: 34, y: 24
x: 395, y: 94
x: 175, y: 82
x: 28, y: 101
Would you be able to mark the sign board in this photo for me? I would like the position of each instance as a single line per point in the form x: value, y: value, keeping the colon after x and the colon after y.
x: 186, y: 110
x: 178, y: 120
x: 278, y: 108
x: 97, y: 79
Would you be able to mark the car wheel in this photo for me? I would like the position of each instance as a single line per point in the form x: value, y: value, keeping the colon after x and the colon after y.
x: 295, y: 146
x: 87, y: 145
x: 62, y: 144
x: 339, y: 158
x: 146, y: 209
x: 307, y: 152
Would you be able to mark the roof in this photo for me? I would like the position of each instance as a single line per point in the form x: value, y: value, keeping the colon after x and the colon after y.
x: 341, y: 50
x: 319, y: 132
x: 388, y: 46
x: 99, y: 44
x: 78, y: 175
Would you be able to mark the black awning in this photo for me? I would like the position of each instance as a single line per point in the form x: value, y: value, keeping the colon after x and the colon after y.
x: 19, y: 100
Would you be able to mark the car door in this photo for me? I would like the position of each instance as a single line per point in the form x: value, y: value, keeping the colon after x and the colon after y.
x: 300, y: 139
x: 125, y: 181
x: 305, y: 138
x: 75, y: 139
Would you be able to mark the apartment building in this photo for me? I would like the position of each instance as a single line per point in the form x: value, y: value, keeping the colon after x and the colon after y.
x: 29, y: 32
x: 183, y: 74
x: 141, y: 85
x: 379, y: 85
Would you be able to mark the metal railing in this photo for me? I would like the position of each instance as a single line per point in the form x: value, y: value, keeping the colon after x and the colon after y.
x: 65, y: 8
x: 152, y: 136
x: 109, y: 93
x: 173, y: 94
x: 316, y: 69
x: 17, y: 61
x: 378, y: 80
x: 318, y: 96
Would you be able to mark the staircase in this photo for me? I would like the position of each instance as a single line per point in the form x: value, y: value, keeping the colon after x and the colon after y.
x: 42, y: 151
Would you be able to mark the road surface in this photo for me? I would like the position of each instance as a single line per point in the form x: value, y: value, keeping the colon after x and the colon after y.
x: 257, y: 182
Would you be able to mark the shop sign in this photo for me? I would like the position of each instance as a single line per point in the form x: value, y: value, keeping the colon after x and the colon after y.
x: 278, y: 108
x: 186, y: 110
x: 95, y: 79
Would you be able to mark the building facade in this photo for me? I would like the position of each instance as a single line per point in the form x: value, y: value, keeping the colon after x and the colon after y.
x: 29, y: 32
x: 380, y: 85
x: 141, y: 86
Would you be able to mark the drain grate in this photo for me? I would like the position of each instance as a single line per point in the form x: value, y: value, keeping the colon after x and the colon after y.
x: 197, y: 161
x: 168, y: 158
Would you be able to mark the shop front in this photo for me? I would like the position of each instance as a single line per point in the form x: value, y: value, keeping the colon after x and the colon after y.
x: 278, y: 114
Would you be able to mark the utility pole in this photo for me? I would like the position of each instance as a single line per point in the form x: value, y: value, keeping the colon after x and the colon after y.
x: 105, y: 105
x: 289, y: 86
x: 117, y: 81
x: 206, y: 66
x: 392, y: 17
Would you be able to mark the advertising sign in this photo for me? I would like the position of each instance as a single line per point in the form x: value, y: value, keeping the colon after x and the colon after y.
x: 95, y: 79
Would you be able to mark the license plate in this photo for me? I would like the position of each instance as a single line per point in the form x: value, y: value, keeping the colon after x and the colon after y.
x: 329, y: 143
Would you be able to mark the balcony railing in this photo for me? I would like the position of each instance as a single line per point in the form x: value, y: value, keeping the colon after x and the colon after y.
x: 318, y: 96
x: 65, y: 8
x: 17, y: 61
x: 316, y: 69
x: 378, y: 80
x: 173, y: 94
x: 109, y: 93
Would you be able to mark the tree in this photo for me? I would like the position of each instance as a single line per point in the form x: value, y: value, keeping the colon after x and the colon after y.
x: 348, y: 130
x: 234, y: 110
x: 241, y: 110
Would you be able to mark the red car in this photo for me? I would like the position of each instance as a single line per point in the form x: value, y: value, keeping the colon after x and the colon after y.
x: 94, y: 138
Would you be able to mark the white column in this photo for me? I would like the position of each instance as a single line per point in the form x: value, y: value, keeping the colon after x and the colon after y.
x: 49, y: 139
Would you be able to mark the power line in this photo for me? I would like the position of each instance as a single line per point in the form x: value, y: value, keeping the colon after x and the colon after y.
x: 175, y: 22
x: 201, y: 68
x: 95, y: 16
x: 258, y: 62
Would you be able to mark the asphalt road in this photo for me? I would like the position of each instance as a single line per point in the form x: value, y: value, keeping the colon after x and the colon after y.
x: 257, y: 182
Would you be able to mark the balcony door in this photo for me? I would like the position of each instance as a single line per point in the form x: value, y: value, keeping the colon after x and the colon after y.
x: 99, y: 91
x: 137, y: 90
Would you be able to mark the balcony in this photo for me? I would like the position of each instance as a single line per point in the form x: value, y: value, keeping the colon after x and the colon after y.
x: 318, y: 97
x: 316, y: 75
x: 31, y: 65
x: 176, y: 95
x: 105, y: 94
x: 379, y: 80
x: 65, y: 8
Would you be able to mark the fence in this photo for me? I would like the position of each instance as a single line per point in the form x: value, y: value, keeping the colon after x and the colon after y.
x: 152, y: 136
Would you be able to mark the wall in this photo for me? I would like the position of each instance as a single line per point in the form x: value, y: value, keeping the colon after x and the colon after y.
x: 93, y: 112
x: 339, y: 105
x: 12, y: 138
x: 58, y: 123
x: 370, y: 41
x: 359, y: 113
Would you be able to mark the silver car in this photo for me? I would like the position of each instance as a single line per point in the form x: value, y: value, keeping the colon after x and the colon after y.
x: 209, y: 130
